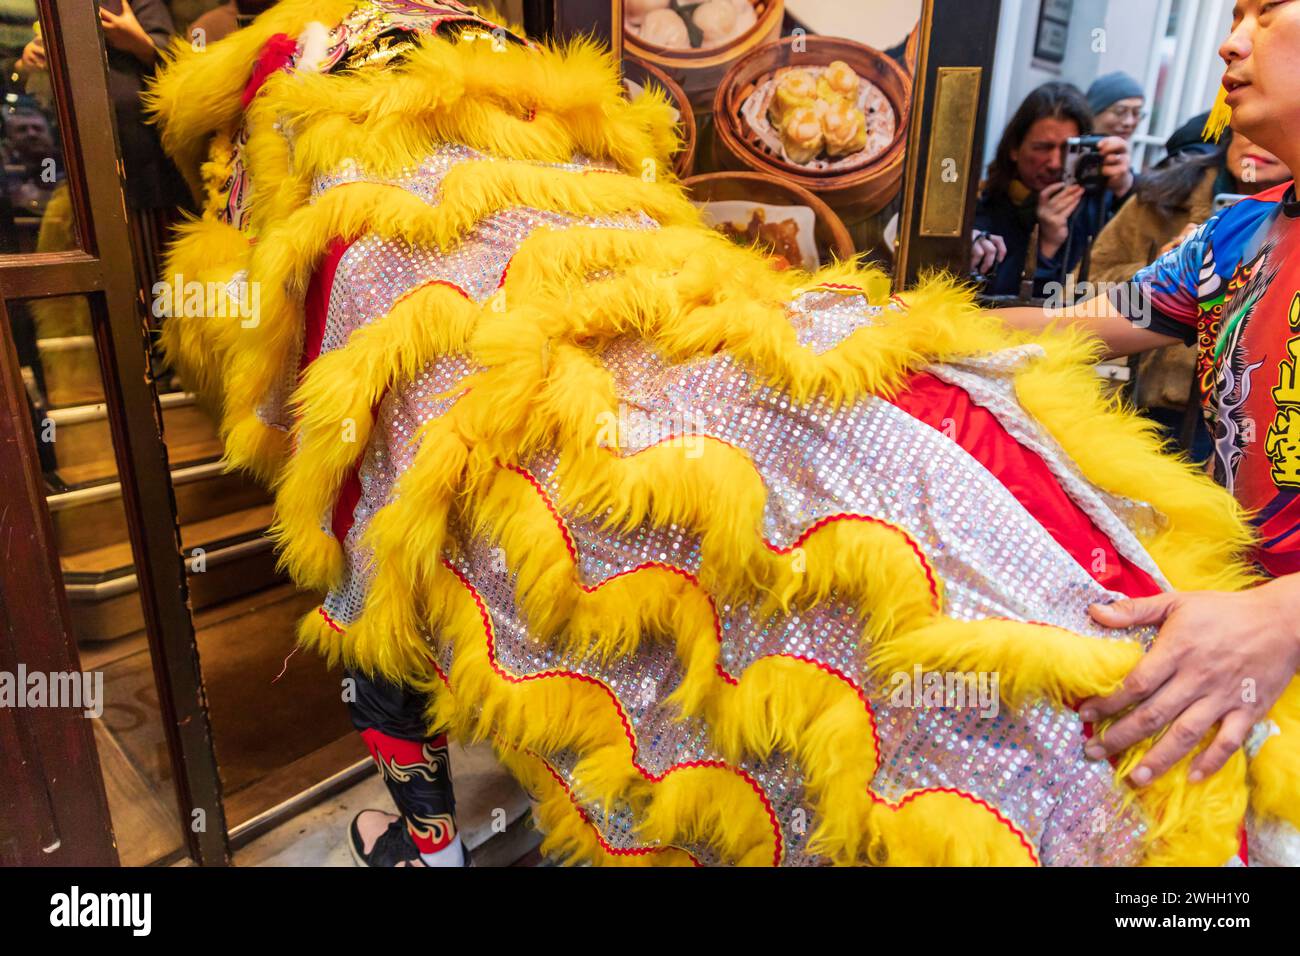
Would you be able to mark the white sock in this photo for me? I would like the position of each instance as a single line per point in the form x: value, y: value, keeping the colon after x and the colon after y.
x: 453, y: 854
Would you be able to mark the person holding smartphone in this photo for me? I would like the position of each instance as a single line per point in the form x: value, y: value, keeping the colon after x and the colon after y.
x: 1221, y: 660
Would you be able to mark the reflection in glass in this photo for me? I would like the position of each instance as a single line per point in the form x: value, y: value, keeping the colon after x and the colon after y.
x: 35, y: 206
x: 796, y: 116
x: 60, y: 368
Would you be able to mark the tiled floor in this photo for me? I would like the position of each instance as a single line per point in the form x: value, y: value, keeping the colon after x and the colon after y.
x: 492, y: 812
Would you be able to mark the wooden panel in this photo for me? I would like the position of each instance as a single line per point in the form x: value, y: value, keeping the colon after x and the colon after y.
x: 46, y: 817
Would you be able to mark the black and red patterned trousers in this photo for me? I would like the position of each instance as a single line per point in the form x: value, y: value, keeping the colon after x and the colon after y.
x: 415, y: 767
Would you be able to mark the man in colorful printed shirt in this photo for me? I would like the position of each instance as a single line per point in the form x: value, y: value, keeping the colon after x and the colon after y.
x: 1234, y: 289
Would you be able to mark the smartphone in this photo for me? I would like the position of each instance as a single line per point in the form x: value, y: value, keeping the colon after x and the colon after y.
x: 1223, y: 200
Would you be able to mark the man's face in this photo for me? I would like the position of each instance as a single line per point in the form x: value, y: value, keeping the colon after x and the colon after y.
x: 1121, y: 118
x: 1040, y: 157
x: 1263, y: 72
x: 29, y: 132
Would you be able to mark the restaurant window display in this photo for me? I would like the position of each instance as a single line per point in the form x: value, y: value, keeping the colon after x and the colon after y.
x: 795, y: 116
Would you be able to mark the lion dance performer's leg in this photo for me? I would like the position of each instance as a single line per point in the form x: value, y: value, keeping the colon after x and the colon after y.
x: 416, y: 767
x: 730, y: 564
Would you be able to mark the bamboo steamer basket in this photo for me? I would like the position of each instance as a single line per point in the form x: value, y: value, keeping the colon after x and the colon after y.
x: 855, y: 193
x: 831, y: 235
x: 699, y: 72
x: 645, y: 74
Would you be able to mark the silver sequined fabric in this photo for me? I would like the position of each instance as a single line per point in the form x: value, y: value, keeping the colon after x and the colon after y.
x: 870, y: 460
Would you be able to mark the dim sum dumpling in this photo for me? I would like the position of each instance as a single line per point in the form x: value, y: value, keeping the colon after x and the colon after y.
x: 666, y: 28
x: 845, y: 129
x: 716, y: 20
x: 745, y: 15
x: 839, y: 81
x: 794, y: 89
x: 802, y: 135
x: 636, y: 10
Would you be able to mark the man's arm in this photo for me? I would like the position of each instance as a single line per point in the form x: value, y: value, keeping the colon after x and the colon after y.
x: 1097, y: 316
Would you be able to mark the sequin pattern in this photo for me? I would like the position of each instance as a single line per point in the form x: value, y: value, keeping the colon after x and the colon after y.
x: 871, y: 459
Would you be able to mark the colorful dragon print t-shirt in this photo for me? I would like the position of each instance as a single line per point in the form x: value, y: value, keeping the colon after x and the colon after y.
x: 1233, y: 288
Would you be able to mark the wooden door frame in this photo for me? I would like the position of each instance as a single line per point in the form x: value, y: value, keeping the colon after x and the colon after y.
x: 52, y: 811
x: 958, y: 37
x: 103, y: 269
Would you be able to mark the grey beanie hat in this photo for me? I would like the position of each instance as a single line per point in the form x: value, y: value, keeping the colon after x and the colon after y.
x: 1112, y: 88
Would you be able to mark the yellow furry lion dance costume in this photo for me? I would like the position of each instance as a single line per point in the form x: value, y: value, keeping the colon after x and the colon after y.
x: 685, y: 537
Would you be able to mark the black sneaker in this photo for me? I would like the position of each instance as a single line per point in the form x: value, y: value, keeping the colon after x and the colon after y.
x: 392, y: 847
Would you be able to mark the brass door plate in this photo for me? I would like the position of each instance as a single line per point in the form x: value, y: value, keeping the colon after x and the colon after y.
x: 952, y: 137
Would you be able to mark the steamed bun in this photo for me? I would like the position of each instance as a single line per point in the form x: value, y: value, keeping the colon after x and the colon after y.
x: 666, y: 28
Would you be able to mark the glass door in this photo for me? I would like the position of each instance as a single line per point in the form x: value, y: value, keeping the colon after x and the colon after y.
x: 81, y: 392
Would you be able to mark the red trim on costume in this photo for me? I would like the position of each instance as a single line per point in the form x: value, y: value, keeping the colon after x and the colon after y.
x: 275, y: 55
x: 913, y: 794
x: 334, y: 625
x: 930, y: 577
x: 628, y: 731
x: 316, y: 303
x: 952, y: 412
x: 600, y: 838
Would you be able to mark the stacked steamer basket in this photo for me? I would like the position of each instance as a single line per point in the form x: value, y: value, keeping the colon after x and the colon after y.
x: 831, y: 237
x: 858, y: 183
x: 644, y: 74
x: 657, y: 32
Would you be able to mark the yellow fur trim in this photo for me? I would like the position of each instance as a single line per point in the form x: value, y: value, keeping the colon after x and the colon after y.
x: 209, y: 253
x: 335, y: 403
x: 197, y: 91
x: 1273, y: 770
x: 1220, y: 117
x: 543, y: 105
x: 1196, y: 822
x: 1206, y: 537
x: 688, y: 294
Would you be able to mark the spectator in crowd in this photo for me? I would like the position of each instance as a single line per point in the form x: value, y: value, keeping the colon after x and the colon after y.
x: 1024, y: 191
x: 1169, y: 204
x: 1117, y: 103
x: 134, y: 34
x: 28, y: 149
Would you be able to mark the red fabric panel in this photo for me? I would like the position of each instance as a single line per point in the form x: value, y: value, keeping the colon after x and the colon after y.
x: 315, y: 310
x: 317, y: 301
x: 950, y: 410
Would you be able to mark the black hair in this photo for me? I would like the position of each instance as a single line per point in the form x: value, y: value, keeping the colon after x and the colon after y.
x: 1169, y: 186
x: 1054, y: 100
